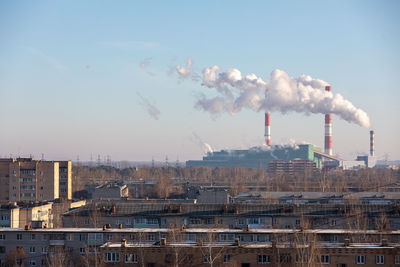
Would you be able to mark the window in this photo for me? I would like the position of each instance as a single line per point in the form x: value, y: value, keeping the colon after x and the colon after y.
x: 32, y: 263
x: 128, y: 222
x: 2, y: 249
x: 360, y: 259
x: 32, y: 249
x: 152, y: 221
x: 325, y: 259
x: 82, y: 237
x: 112, y: 256
x: 194, y: 221
x: 240, y: 237
x: 285, y: 258
x: 206, y: 259
x: 45, y: 250
x: 209, y: 221
x: 380, y: 259
x: 82, y: 250
x: 397, y: 259
x: 226, y: 237
x: 255, y: 238
x: 227, y: 259
x: 131, y: 258
x: 33, y: 237
x: 19, y: 236
x: 2, y: 237
x: 253, y: 221
x: 264, y: 259
x: 191, y: 237
x: 151, y: 237
x: 241, y: 221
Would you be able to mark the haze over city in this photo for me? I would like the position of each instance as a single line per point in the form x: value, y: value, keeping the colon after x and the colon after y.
x: 136, y: 80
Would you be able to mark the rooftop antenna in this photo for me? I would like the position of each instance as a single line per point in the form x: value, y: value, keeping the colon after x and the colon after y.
x: 177, y: 162
x: 98, y: 160
x: 166, y: 161
x: 91, y: 160
x: 152, y: 162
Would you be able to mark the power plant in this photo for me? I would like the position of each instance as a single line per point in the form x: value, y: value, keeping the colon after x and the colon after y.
x: 290, y: 158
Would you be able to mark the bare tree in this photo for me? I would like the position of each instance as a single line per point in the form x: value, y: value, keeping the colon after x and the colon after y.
x: 209, y: 248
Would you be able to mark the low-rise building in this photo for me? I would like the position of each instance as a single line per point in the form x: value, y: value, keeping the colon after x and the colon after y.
x: 110, y: 191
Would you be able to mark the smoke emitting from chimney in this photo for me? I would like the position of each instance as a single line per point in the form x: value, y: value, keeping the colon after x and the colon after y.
x: 285, y: 94
x: 371, y: 143
x: 328, y: 129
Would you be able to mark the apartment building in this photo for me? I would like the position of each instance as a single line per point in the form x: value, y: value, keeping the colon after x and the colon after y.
x: 200, y: 247
x: 30, y: 180
x: 238, y: 215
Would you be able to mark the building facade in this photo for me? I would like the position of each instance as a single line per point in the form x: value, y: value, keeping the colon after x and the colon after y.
x: 199, y: 247
x: 30, y: 180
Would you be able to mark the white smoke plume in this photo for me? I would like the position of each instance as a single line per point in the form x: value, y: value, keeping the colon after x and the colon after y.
x: 185, y: 72
x: 283, y: 93
x: 204, y: 146
x: 152, y: 110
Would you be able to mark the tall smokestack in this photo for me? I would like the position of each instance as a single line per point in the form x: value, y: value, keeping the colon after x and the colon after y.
x: 371, y: 143
x: 267, y: 129
x: 328, y: 129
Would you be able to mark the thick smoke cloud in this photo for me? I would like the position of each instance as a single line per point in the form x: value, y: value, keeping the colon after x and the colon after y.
x: 281, y: 93
x: 152, y: 110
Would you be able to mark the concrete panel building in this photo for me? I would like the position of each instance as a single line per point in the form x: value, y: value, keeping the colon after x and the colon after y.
x: 30, y: 180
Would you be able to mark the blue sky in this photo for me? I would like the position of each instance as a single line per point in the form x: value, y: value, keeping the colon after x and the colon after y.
x: 70, y: 80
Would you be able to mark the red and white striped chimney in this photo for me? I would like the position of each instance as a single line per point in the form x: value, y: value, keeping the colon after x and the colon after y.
x: 328, y: 129
x: 371, y: 143
x: 267, y: 133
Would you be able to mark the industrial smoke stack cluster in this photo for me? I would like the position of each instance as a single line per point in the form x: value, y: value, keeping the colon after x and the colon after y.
x: 328, y: 129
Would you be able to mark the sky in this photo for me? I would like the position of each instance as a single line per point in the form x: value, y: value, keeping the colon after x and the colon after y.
x: 89, y: 78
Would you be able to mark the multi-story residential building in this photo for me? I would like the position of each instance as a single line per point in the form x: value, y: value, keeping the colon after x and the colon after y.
x: 65, y: 179
x: 199, y: 247
x: 238, y: 215
x: 30, y: 180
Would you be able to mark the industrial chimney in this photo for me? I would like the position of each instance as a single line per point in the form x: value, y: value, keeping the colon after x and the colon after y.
x: 328, y: 129
x: 267, y: 129
x: 371, y: 143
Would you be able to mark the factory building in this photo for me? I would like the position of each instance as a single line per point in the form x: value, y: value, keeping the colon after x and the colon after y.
x: 260, y: 157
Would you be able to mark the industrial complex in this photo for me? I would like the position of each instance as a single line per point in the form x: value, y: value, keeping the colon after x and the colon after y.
x: 276, y: 158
